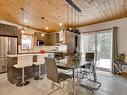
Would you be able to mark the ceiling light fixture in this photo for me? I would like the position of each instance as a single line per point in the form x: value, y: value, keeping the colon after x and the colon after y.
x: 46, y: 28
x: 22, y: 18
x: 22, y: 30
x: 42, y: 34
x: 26, y: 20
x: 60, y: 24
x: 42, y: 18
x: 72, y: 29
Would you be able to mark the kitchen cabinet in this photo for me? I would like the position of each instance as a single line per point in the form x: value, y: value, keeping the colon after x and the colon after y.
x: 70, y: 41
x: 3, y: 65
x: 49, y: 39
x: 8, y: 30
x: 53, y: 39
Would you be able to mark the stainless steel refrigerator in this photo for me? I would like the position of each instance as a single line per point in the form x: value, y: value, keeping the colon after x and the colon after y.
x: 8, y: 45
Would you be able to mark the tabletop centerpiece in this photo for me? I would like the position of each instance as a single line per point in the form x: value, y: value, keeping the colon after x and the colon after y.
x: 77, y: 57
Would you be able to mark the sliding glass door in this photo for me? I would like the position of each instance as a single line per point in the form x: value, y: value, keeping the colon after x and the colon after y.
x: 104, y: 50
x: 87, y: 45
x: 101, y: 44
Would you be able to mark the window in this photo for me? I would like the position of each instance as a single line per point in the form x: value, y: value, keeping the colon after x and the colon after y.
x: 27, y: 41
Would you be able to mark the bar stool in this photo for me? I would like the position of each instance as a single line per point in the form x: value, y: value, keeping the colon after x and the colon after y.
x: 23, y: 61
x: 40, y: 61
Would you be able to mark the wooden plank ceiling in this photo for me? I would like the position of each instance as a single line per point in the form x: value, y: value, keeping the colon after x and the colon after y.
x: 56, y: 11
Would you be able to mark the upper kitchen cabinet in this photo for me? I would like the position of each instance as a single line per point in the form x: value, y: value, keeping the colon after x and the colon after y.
x: 48, y: 39
x: 8, y: 30
x: 53, y: 38
x: 70, y: 42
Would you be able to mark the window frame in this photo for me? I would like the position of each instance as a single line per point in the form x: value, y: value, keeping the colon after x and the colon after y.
x: 32, y: 41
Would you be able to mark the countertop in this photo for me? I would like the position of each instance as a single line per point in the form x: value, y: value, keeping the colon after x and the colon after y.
x: 16, y: 55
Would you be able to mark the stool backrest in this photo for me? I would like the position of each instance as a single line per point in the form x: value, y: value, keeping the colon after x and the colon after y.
x: 40, y: 58
x: 52, y: 72
x: 25, y: 60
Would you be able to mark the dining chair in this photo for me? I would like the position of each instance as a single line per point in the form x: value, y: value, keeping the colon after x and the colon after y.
x: 89, y: 68
x: 53, y: 74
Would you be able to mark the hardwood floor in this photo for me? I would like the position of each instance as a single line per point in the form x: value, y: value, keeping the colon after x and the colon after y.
x: 111, y: 85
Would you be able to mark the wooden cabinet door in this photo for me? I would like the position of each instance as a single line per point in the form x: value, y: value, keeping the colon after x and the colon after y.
x: 70, y: 41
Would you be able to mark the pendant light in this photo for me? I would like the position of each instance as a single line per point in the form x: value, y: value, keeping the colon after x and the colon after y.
x: 68, y: 29
x: 42, y: 18
x: 22, y: 20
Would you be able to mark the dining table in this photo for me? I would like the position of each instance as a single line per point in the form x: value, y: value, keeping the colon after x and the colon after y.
x: 72, y: 65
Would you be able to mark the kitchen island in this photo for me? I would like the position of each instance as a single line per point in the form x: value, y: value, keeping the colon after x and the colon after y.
x: 14, y: 74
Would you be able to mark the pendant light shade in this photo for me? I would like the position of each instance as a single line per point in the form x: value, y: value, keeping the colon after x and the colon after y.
x: 73, y: 29
x: 42, y: 18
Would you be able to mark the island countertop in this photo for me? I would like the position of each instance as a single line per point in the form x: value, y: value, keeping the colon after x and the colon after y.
x: 28, y: 54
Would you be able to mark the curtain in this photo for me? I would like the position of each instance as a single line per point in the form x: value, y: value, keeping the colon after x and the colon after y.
x: 114, y: 48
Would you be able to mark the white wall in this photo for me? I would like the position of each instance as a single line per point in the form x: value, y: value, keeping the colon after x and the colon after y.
x: 122, y: 31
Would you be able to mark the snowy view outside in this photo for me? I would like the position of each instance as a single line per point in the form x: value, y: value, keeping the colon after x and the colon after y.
x: 104, y: 45
x: 101, y: 44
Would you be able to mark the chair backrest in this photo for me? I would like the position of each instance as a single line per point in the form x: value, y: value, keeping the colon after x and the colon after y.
x: 52, y: 72
x: 25, y: 60
x: 89, y: 56
x: 90, y: 60
x: 40, y: 58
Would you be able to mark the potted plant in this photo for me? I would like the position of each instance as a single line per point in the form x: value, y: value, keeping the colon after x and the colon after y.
x: 120, y: 57
x: 77, y: 55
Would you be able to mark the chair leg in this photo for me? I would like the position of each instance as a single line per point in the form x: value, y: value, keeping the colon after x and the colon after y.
x: 52, y: 87
x: 60, y: 86
x: 23, y: 82
x: 70, y: 87
x: 91, y: 92
x: 53, y: 91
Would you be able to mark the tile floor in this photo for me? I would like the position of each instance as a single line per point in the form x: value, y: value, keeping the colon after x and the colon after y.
x: 111, y: 85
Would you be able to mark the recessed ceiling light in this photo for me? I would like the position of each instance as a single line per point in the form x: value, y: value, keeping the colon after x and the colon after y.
x: 26, y: 20
x: 42, y: 35
x: 60, y: 24
x: 46, y: 28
